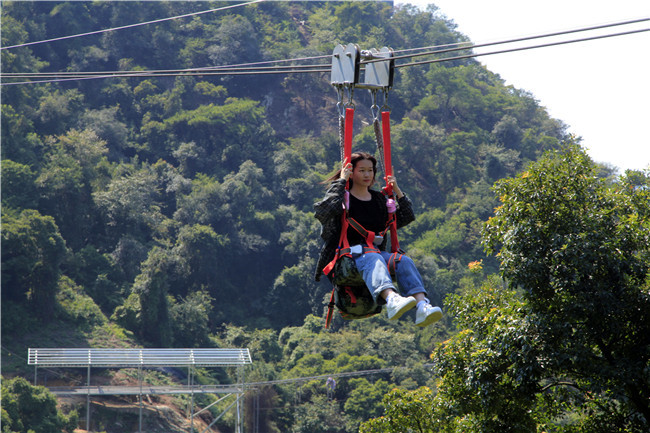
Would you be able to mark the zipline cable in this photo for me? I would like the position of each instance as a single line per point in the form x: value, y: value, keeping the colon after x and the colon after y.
x: 27, y: 44
x: 531, y: 47
x: 435, y: 50
x: 147, y: 75
x: 237, y: 70
x: 161, y: 71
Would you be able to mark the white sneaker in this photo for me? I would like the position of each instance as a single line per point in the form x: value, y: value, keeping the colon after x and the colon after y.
x: 398, y: 305
x: 427, y: 314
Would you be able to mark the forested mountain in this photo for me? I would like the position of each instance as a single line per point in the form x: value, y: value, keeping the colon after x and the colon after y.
x: 176, y: 210
x: 203, y: 186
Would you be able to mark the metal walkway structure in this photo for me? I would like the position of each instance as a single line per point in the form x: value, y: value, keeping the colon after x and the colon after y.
x: 147, y: 358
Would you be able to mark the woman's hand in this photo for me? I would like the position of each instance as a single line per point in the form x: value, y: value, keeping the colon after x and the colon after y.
x: 346, y: 170
x: 393, y: 183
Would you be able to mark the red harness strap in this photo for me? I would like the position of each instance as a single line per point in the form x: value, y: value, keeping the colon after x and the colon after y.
x: 388, y: 190
x: 347, y: 142
x: 369, y: 236
x: 344, y: 245
x: 392, y: 262
x: 330, y: 310
x: 385, y: 125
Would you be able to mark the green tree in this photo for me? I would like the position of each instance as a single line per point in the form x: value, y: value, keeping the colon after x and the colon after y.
x: 108, y: 127
x: 76, y: 306
x: 198, y: 250
x: 32, y: 253
x: 579, y: 249
x: 235, y: 41
x: 57, y: 110
x: 15, y: 32
x: 138, y: 200
x: 298, y: 165
x: 507, y: 132
x: 27, y: 408
x: 230, y: 134
x: 294, y: 294
x: 190, y: 319
x: 406, y: 411
x: 562, y: 344
x: 152, y: 287
x: 18, y: 185
x: 364, y: 400
x: 66, y: 181
x: 319, y: 415
x: 489, y: 372
x: 19, y: 141
x: 99, y: 275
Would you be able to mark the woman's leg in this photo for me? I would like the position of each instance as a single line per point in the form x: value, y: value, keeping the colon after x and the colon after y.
x: 408, y: 277
x: 410, y: 283
x: 374, y: 272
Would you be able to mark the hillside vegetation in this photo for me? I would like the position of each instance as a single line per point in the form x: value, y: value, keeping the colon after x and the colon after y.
x: 176, y: 211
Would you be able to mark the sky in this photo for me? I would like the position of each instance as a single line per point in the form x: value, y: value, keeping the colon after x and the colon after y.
x: 600, y: 89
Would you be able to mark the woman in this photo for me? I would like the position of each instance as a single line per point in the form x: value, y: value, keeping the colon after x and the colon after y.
x: 370, y: 209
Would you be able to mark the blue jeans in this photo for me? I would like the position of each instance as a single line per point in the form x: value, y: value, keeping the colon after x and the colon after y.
x: 373, y: 269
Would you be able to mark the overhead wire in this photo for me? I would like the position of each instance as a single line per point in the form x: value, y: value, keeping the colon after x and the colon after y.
x: 240, y: 66
x: 256, y: 68
x: 173, y: 74
x: 531, y: 47
x: 206, y: 69
x: 128, y: 26
x: 436, y: 48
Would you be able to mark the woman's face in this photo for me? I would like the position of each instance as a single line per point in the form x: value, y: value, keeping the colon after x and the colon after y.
x: 363, y: 173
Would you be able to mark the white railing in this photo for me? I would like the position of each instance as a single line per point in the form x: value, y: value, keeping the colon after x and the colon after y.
x: 73, y: 357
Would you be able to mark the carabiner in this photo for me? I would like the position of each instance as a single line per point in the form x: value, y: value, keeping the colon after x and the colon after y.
x: 385, y: 107
x: 374, y: 108
x: 339, y: 104
x: 350, y: 93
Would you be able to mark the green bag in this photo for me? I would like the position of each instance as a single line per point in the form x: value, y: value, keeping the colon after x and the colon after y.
x: 345, y: 273
x: 351, y: 296
x: 355, y: 302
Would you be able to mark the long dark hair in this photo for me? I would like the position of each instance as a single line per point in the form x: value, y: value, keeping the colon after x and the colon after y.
x: 355, y: 157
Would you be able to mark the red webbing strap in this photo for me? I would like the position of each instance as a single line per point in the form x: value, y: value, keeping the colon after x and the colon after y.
x: 385, y: 126
x: 347, y: 157
x: 367, y: 235
x: 342, y: 250
x: 330, y: 310
x: 344, y: 246
x: 394, y: 243
x: 392, y: 262
x: 391, y: 225
x: 353, y: 299
x: 347, y: 138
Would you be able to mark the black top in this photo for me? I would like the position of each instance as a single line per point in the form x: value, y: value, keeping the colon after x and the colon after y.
x: 369, y: 215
